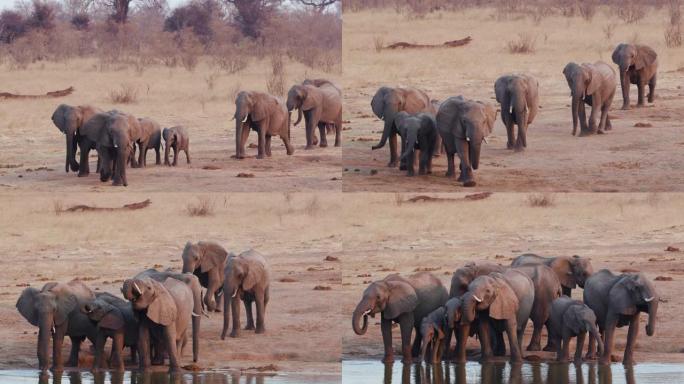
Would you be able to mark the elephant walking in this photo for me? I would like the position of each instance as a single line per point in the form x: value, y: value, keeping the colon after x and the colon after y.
x: 265, y: 114
x: 617, y: 301
x: 593, y: 84
x: 320, y: 102
x: 150, y: 138
x: 519, y: 99
x: 638, y: 65
x: 417, y: 131
x: 570, y: 318
x: 207, y: 260
x: 178, y: 139
x: 69, y: 119
x: 402, y: 300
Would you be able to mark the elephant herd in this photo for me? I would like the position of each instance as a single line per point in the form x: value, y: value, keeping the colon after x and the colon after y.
x: 487, y: 300
x: 159, y: 311
x: 459, y: 125
x: 115, y: 134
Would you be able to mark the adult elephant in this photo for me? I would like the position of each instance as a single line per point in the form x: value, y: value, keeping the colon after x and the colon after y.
x: 402, y: 300
x: 150, y: 138
x: 247, y: 278
x: 386, y: 103
x: 321, y: 105
x: 69, y: 119
x: 547, y: 288
x: 503, y: 300
x: 114, y: 133
x: 463, y: 125
x: 593, y: 84
x: 164, y: 308
x: 617, y: 301
x: 418, y: 131
x: 206, y: 259
x: 638, y: 65
x: 571, y: 271
x: 266, y: 115
x: 55, y: 310
x: 571, y: 318
x: 518, y: 95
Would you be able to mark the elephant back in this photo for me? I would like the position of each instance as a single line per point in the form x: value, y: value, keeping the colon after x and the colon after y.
x: 256, y: 259
x: 523, y: 287
x: 528, y: 259
x: 430, y: 292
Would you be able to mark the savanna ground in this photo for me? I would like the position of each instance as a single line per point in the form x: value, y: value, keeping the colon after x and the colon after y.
x: 627, y: 159
x: 296, y: 233
x: 385, y: 233
x: 32, y: 149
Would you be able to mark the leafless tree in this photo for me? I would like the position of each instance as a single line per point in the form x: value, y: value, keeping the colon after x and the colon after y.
x: 319, y: 5
x: 251, y: 15
x: 119, y: 10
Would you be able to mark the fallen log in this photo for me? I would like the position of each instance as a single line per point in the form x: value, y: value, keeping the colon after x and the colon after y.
x: 126, y: 207
x: 446, y: 44
x: 51, y: 94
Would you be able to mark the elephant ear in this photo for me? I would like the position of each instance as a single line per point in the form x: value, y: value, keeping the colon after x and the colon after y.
x: 616, y: 53
x: 162, y: 309
x: 402, y: 298
x: 563, y: 270
x: 593, y: 80
x: 61, y: 117
x: 500, y: 87
x: 505, y: 303
x: 312, y: 97
x: 255, y: 273
x: 66, y: 303
x: 645, y: 56
x: 112, y: 320
x: 490, y: 117
x: 26, y: 305
x: 258, y: 110
x: 213, y: 256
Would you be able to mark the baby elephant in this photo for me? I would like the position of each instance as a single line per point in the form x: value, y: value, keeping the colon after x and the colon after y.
x: 570, y: 318
x: 419, y: 131
x: 177, y: 138
x: 433, y: 332
x: 114, y: 319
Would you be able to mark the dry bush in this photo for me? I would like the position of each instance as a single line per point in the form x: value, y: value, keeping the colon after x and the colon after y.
x: 229, y: 59
x: 525, y: 44
x: 203, y: 207
x: 631, y: 11
x: 378, y: 43
x: 57, y: 207
x: 540, y: 200
x: 211, y: 80
x: 673, y: 36
x: 674, y: 12
x: 313, y: 206
x: 609, y: 30
x: 276, y: 80
x: 127, y: 94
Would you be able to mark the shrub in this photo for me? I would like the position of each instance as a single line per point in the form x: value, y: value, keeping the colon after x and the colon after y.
x: 631, y: 11
x: 127, y: 94
x: 276, y: 81
x: 379, y: 43
x: 12, y: 26
x: 540, y: 200
x: 203, y: 207
x: 42, y: 17
x: 673, y: 36
x: 523, y: 45
x: 81, y: 21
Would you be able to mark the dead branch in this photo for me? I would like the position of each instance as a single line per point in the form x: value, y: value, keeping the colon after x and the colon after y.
x: 127, y: 207
x: 446, y: 44
x: 60, y: 93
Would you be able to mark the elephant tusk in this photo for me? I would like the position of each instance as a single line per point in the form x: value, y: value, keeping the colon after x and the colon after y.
x: 53, y: 329
x: 234, y: 293
x: 477, y: 299
x: 194, y: 314
x: 367, y: 312
x: 220, y: 293
x: 137, y: 289
x: 245, y: 119
x: 649, y: 299
x: 485, y: 140
x: 467, y: 138
x: 205, y: 313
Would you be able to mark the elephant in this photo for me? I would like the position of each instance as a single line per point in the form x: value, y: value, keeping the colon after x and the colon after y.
x: 463, y: 125
x: 162, y: 308
x: 570, y: 318
x: 178, y: 139
x: 114, y: 319
x: 150, y: 138
x: 593, y: 84
x: 403, y: 300
x: 518, y: 95
x: 433, y: 333
x: 571, y: 271
x: 207, y: 260
x: 114, y: 133
x: 69, y: 119
x: 503, y: 300
x: 386, y: 103
x: 547, y: 288
x: 321, y: 105
x: 265, y: 114
x: 417, y: 131
x: 55, y: 310
x: 638, y: 65
x: 463, y: 276
x: 617, y: 301
x: 246, y: 277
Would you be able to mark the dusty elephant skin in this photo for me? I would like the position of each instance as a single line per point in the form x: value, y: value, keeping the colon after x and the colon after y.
x: 265, y: 114
x: 638, y: 65
x: 572, y: 318
x: 150, y: 138
x: 594, y: 85
x: 69, y: 119
x: 207, y: 260
x: 518, y: 95
x: 178, y: 139
x: 321, y: 104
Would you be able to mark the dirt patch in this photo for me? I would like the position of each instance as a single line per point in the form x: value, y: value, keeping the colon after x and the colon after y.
x: 287, y: 280
x: 331, y: 258
x: 125, y: 207
x: 211, y: 167
x: 663, y: 278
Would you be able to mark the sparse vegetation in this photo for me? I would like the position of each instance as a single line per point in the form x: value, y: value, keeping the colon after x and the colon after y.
x: 378, y: 43
x: 525, y: 44
x: 673, y: 31
x: 204, y: 206
x: 541, y: 200
x: 126, y: 94
x: 631, y: 11
x: 276, y: 80
x: 609, y: 30
x: 57, y: 207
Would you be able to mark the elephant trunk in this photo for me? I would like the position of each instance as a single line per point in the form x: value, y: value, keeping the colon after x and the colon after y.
x: 198, y: 310
x: 238, y: 139
x: 575, y: 111
x: 652, y: 312
x: 461, y: 340
x: 299, y: 116
x: 44, y: 333
x: 599, y: 342
x: 389, y: 121
x: 226, y: 312
x: 468, y: 315
x: 624, y: 83
x: 188, y: 267
x: 195, y: 337
x: 412, y: 138
x: 71, y: 152
x: 363, y: 309
x: 474, y: 153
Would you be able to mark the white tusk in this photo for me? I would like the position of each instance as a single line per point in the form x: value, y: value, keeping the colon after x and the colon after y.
x: 234, y: 293
x: 467, y: 138
x: 477, y: 299
x: 220, y: 293
x: 245, y: 119
x: 511, y: 111
x: 53, y: 329
x: 135, y: 286
x: 649, y: 299
x: 382, y: 118
x: 194, y: 314
x: 367, y: 312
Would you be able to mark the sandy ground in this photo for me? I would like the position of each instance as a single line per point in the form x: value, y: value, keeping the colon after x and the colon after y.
x: 295, y: 232
x: 384, y: 234
x: 32, y: 150
x: 626, y: 159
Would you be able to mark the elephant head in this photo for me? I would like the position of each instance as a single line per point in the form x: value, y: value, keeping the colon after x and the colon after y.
x: 170, y: 136
x: 635, y: 293
x: 300, y: 98
x: 489, y: 292
x: 635, y: 56
x: 103, y: 313
x: 386, y: 103
x: 150, y: 296
x: 572, y: 271
x: 113, y: 132
x: 583, y: 81
x: 391, y: 297
x: 476, y: 124
x: 204, y: 255
x: 69, y: 120
x: 453, y: 312
x: 580, y: 318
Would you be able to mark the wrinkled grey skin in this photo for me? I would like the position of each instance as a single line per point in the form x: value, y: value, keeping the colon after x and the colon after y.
x: 402, y: 300
x: 246, y: 277
x: 433, y: 333
x: 386, y: 103
x: 638, y: 64
x: 178, y: 139
x: 55, y: 310
x: 321, y: 104
x: 114, y: 318
x: 418, y: 131
x: 69, y: 119
x: 593, y: 84
x: 519, y: 99
x: 463, y: 125
x: 265, y: 114
x: 207, y: 260
x: 150, y: 138
x: 547, y: 288
x: 617, y: 301
x: 570, y: 318
x: 504, y: 300
x: 571, y: 271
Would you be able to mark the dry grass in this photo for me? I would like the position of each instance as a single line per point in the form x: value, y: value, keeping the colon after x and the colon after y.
x: 210, y: 79
x: 378, y: 43
x: 609, y: 30
x: 631, y: 11
x: 525, y: 44
x: 276, y: 80
x: 57, y: 207
x: 541, y: 200
x: 126, y: 94
x: 204, y: 206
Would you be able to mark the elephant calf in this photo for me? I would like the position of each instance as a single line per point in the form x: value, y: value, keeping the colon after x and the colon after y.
x: 178, y: 139
x: 593, y: 84
x: 570, y: 318
x: 519, y: 99
x: 150, y: 138
x: 433, y: 334
x: 417, y: 131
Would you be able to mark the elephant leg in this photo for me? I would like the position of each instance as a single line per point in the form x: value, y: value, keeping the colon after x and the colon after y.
x: 144, y: 345
x: 451, y: 168
x: 166, y: 154
x: 591, y: 349
x: 447, y: 342
x: 410, y: 163
x: 535, y: 342
x: 403, y: 162
x: 170, y: 342
x: 310, y: 134
x: 466, y: 168
x: 187, y: 154
x: 210, y: 299
x: 250, y: 316
x: 624, y: 83
x: 485, y: 341
x: 57, y: 340
x: 608, y: 338
x: 235, y: 311
x: 513, y: 341
x: 461, y: 340
x: 120, y: 172
x: 133, y: 350
x: 640, y: 90
x: 261, y: 147
x: 595, y: 107
x: 260, y: 313
x: 100, y: 341
x: 393, y: 150
x: 268, y: 146
x: 651, y: 89
x: 157, y: 152
x: 117, y: 351
x: 550, y: 340
x: 338, y: 132
x: 508, y: 122
x: 579, y: 347
x: 604, y: 118
x: 498, y: 345
x: 386, y: 329
x: 418, y: 340
x: 288, y: 146
x: 175, y: 154
x: 423, y: 161
x: 406, y: 327
x: 564, y: 349
x: 632, y: 333
x: 83, y: 166
x: 324, y: 139
x: 75, y: 348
